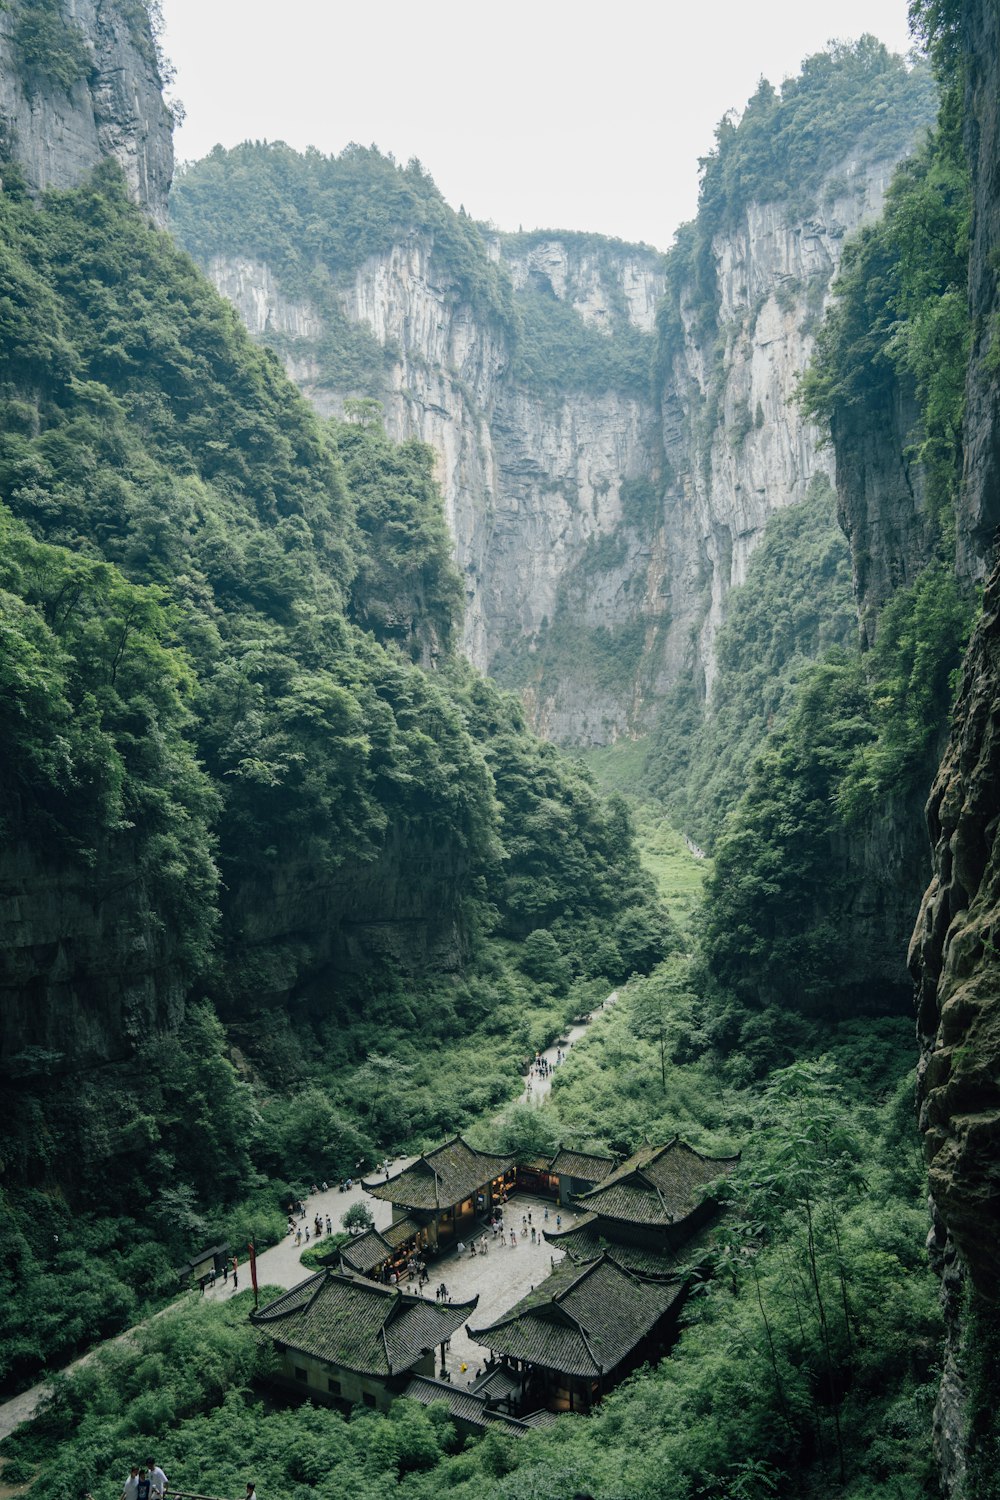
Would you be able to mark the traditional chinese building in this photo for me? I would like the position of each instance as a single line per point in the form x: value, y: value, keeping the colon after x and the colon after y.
x: 581, y: 1332
x: 576, y: 1172
x: 380, y: 1253
x: 657, y: 1201
x: 445, y: 1190
x: 344, y: 1339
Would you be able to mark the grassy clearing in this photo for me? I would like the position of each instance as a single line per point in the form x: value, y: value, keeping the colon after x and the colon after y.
x: 680, y: 876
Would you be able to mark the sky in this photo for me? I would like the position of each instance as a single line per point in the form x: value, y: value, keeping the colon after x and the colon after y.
x: 534, y: 114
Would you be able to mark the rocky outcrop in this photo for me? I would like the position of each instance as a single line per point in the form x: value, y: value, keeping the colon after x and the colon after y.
x: 955, y: 951
x: 955, y: 958
x: 103, y: 99
x: 882, y: 501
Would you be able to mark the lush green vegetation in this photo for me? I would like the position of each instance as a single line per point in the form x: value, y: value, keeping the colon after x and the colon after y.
x: 558, y: 352
x: 208, y: 608
x: 406, y: 587
x: 853, y: 100
x: 796, y: 603
x: 314, y: 220
x: 901, y: 314
x: 51, y: 48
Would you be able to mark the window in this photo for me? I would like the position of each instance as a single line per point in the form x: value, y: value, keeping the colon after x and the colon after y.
x: 333, y: 1386
x: 368, y: 1398
x: 301, y: 1374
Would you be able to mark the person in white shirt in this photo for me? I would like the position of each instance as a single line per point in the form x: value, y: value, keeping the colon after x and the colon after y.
x: 157, y: 1479
x: 130, y: 1488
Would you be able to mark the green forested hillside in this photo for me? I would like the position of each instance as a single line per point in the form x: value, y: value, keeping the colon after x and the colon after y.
x: 209, y: 606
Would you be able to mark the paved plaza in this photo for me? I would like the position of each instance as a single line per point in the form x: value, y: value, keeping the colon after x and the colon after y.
x: 501, y: 1277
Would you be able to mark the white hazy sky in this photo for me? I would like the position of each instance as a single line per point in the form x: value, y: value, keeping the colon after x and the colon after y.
x: 534, y: 113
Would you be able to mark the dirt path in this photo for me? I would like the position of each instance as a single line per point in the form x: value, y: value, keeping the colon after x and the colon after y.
x: 537, y: 1086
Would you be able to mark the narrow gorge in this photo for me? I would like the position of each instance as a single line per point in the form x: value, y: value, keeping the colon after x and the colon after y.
x: 413, y: 632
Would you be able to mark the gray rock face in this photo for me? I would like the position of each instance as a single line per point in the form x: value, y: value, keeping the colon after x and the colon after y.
x: 882, y: 501
x: 536, y: 485
x: 115, y: 108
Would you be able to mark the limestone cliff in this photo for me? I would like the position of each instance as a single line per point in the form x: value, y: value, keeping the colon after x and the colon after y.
x: 956, y: 963
x: 598, y: 528
x: 80, y: 82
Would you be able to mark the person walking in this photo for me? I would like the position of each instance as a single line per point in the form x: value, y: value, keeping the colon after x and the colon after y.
x: 236, y: 1269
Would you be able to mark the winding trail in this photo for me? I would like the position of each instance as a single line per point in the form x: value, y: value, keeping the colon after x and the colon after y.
x: 281, y: 1264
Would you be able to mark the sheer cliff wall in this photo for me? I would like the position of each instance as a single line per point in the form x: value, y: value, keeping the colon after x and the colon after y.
x: 595, y: 528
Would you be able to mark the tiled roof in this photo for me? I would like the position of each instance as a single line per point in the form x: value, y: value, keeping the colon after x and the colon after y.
x: 497, y: 1384
x: 441, y: 1178
x: 374, y: 1247
x: 585, y: 1242
x: 582, y: 1164
x: 581, y: 1322
x: 366, y: 1252
x: 463, y: 1405
x: 540, y: 1418
x: 359, y: 1325
x: 658, y: 1185
x: 398, y: 1233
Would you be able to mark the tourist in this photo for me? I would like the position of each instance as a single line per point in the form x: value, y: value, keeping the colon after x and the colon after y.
x: 131, y: 1484
x: 236, y: 1269
x: 461, y: 1247
x: 298, y: 1234
x: 307, y: 1234
x: 251, y: 1493
x: 329, y: 1224
x: 143, y: 1488
x: 558, y: 1221
x: 513, y: 1238
x: 157, y: 1478
x: 483, y: 1246
x: 546, y: 1213
x: 532, y: 1234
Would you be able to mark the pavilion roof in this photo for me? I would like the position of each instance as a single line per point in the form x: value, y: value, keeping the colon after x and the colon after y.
x: 581, y: 1321
x: 582, y: 1164
x: 442, y: 1177
x: 657, y: 1185
x: 359, y: 1325
x: 463, y: 1404
x: 587, y: 1240
x: 376, y: 1246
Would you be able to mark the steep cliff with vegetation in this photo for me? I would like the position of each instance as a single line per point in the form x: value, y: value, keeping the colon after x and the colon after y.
x: 608, y: 468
